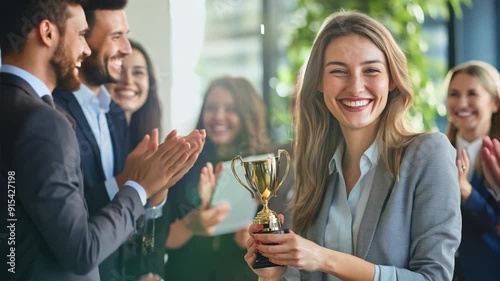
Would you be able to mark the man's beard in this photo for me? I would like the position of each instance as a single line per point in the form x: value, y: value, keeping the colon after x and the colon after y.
x: 94, y: 73
x: 64, y: 66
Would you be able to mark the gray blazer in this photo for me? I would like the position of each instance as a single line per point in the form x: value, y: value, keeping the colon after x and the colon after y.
x: 413, y: 224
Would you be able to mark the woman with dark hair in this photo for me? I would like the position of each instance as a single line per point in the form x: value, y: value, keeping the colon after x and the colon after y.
x: 136, y: 93
x: 234, y: 117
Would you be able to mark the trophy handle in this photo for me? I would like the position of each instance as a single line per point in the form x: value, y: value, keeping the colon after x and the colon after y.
x: 238, y: 177
x: 287, y: 167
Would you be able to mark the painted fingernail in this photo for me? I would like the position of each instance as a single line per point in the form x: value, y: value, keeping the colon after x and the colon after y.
x: 260, y: 226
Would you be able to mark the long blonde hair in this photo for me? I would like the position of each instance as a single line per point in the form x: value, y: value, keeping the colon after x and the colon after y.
x: 318, y: 133
x: 489, y: 78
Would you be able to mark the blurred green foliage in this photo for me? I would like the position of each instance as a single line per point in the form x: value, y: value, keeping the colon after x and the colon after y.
x: 404, y: 18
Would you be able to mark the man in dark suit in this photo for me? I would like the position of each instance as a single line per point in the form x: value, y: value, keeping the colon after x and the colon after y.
x: 100, y: 126
x: 51, y: 236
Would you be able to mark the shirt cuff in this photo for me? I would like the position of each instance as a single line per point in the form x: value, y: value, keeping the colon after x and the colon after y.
x: 385, y: 273
x: 155, y: 211
x: 140, y: 190
x: 111, y: 188
x: 376, y: 277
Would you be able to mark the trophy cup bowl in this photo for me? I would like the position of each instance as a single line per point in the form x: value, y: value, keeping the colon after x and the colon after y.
x: 262, y: 181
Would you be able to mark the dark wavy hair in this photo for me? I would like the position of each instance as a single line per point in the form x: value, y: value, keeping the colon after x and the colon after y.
x: 19, y: 17
x: 253, y: 138
x: 149, y: 115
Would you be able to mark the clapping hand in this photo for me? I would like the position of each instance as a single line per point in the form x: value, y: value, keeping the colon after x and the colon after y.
x: 490, y: 162
x: 204, y: 220
x: 160, y: 166
x: 463, y: 166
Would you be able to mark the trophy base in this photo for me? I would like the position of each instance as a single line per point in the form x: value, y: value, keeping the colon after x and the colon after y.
x: 262, y: 261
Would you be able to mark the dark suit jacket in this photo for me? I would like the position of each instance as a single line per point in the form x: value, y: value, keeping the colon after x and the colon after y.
x: 93, y: 173
x: 96, y: 195
x: 54, y: 237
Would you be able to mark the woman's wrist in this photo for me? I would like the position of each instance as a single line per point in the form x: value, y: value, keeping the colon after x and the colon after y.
x: 465, y: 191
x: 327, y: 259
x: 179, y: 234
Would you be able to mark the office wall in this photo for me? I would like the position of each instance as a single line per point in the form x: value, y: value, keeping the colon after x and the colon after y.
x: 476, y: 33
x: 149, y: 23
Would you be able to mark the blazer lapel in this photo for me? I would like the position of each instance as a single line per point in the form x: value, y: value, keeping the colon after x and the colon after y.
x: 383, y: 183
x: 119, y: 138
x: 316, y: 231
x: 113, y: 132
x: 77, y: 113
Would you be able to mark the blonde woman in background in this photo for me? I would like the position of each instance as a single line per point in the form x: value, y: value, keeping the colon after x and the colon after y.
x: 473, y: 102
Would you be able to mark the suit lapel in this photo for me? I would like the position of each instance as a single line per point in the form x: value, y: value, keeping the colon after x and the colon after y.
x: 383, y: 183
x: 77, y: 113
x: 116, y: 126
x: 114, y: 140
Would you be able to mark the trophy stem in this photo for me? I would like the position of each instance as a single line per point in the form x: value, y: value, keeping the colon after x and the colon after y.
x: 268, y: 218
x: 265, y: 208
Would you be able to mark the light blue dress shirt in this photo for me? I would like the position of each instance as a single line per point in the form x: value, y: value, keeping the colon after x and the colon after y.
x: 346, y: 211
x: 94, y: 108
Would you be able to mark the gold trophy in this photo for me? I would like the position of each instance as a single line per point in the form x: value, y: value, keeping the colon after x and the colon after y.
x: 262, y: 179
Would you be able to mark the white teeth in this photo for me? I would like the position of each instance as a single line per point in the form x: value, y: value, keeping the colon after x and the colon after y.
x: 117, y: 63
x: 78, y: 64
x: 464, y: 114
x: 126, y: 93
x: 358, y: 103
x: 220, y: 128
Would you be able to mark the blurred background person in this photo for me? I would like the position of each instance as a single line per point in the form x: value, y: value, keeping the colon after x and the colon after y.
x: 234, y: 117
x: 473, y: 101
x: 136, y: 93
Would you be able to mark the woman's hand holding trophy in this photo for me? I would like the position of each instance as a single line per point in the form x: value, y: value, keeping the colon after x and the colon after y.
x: 263, y: 182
